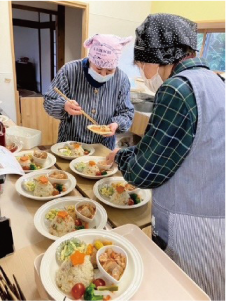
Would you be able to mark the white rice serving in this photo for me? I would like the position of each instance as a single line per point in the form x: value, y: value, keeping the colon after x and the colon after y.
x: 120, y: 198
x: 68, y: 275
x: 61, y: 226
x: 78, y: 151
x: 90, y: 170
x: 43, y: 190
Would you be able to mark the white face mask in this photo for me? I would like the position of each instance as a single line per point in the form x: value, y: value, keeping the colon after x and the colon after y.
x: 153, y: 83
x: 98, y: 77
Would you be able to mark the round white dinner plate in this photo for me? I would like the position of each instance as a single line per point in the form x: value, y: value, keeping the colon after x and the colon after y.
x: 85, y: 159
x: 50, y: 161
x: 133, y: 273
x: 144, y: 193
x: 55, y: 149
x: 42, y: 224
x: 70, y: 185
x: 98, y: 132
x: 4, y: 118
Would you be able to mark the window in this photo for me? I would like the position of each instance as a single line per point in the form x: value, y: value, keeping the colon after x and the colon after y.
x: 211, y: 44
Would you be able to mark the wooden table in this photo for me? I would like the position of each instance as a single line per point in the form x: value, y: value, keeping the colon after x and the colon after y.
x: 117, y: 217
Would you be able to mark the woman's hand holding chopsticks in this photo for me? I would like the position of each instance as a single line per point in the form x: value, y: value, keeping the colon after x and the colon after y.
x: 72, y: 107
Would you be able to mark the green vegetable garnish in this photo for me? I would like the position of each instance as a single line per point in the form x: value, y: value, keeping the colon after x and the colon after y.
x: 104, y: 173
x: 79, y: 227
x: 135, y: 198
x: 111, y: 288
x: 33, y: 167
x: 89, y: 293
x: 59, y: 187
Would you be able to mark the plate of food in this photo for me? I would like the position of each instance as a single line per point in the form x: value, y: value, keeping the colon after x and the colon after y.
x: 116, y: 192
x: 81, y: 265
x: 71, y: 149
x: 39, y: 186
x: 35, y: 160
x: 59, y: 217
x: 92, y: 167
x: 100, y: 129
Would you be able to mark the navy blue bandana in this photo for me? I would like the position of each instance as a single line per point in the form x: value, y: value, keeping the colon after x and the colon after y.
x: 164, y: 39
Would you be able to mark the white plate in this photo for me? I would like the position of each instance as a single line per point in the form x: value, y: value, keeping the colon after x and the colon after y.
x: 90, y: 127
x: 84, y: 159
x: 133, y: 274
x: 50, y: 161
x: 55, y: 148
x: 42, y: 224
x: 4, y: 118
x: 144, y: 193
x: 70, y: 185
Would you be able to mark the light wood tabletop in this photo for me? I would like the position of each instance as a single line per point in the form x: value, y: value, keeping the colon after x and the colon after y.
x: 117, y: 217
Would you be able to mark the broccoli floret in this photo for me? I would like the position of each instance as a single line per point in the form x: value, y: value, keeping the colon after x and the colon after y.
x: 33, y: 167
x: 59, y: 187
x: 89, y: 293
x: 135, y: 198
x: 79, y: 227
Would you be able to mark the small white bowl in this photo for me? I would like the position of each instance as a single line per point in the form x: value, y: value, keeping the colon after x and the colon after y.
x: 54, y: 180
x: 102, y: 270
x: 39, y: 161
x: 81, y: 216
x: 104, y: 166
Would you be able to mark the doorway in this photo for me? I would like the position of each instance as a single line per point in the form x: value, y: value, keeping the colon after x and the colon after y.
x: 44, y: 40
x: 45, y: 36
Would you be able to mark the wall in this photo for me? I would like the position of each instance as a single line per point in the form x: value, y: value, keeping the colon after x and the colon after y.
x: 119, y: 18
x: 73, y: 33
x: 7, y: 94
x: 194, y: 10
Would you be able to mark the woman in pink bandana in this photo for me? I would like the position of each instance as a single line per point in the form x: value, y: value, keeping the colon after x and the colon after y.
x: 97, y: 86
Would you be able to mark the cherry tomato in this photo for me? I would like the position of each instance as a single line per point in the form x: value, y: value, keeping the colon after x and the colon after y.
x: 98, y: 173
x: 99, y: 282
x: 130, y: 202
x: 78, y: 291
x: 78, y: 222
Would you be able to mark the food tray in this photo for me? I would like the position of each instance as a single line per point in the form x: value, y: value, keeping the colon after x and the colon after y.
x: 162, y: 280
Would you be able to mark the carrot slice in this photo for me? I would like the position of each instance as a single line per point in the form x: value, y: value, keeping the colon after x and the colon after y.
x: 76, y: 145
x: 43, y: 180
x: 92, y: 163
x: 77, y: 258
x: 62, y: 214
x: 24, y: 158
x: 120, y: 189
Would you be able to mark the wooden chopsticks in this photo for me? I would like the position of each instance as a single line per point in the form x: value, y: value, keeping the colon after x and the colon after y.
x: 84, y: 113
x: 8, y: 290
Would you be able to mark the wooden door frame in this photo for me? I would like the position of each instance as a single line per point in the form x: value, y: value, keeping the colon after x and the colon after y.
x: 85, y: 18
x: 16, y: 93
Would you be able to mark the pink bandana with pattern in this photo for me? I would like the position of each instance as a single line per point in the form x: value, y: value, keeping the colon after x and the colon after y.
x: 105, y: 49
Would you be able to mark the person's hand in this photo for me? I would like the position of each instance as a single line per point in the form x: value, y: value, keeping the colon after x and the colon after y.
x: 113, y: 127
x: 110, y: 159
x: 72, y: 108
